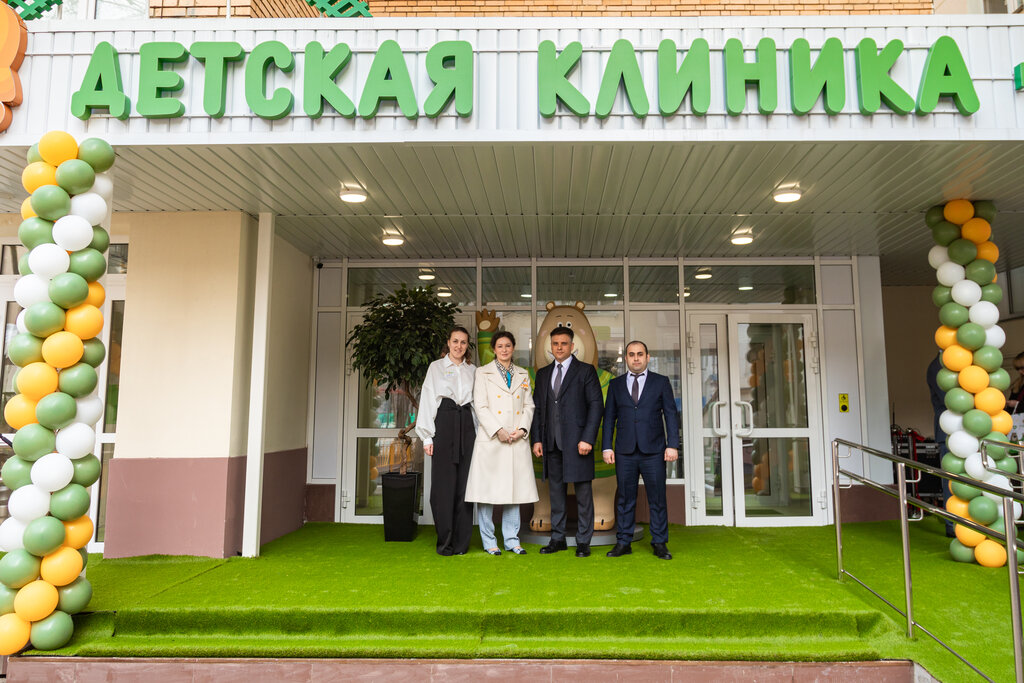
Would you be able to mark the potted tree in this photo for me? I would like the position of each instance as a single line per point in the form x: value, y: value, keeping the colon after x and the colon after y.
x: 400, y: 335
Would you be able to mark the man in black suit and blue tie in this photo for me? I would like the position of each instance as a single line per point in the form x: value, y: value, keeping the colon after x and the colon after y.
x: 641, y: 411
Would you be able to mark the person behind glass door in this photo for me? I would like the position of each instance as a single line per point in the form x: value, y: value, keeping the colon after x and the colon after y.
x: 446, y: 425
x: 501, y: 472
x: 1016, y: 394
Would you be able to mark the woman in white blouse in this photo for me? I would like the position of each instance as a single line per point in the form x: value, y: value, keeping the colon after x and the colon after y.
x: 446, y: 425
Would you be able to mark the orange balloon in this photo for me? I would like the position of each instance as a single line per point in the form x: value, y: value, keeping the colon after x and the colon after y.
x: 14, y: 634
x: 968, y: 537
x: 957, y: 506
x: 37, y: 174
x: 63, y: 349
x: 988, y: 251
x: 78, y: 532
x: 37, y: 380
x: 973, y: 379
x: 954, y: 358
x: 991, y: 400
x: 36, y: 600
x: 1002, y: 422
x: 958, y: 211
x: 26, y: 209
x: 97, y: 295
x: 62, y: 566
x: 84, y: 320
x: 976, y: 230
x: 988, y: 553
x: 945, y: 336
x: 20, y: 411
x: 56, y: 147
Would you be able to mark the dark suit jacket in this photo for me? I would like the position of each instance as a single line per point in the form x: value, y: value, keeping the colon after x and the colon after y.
x: 643, y: 426
x: 575, y: 414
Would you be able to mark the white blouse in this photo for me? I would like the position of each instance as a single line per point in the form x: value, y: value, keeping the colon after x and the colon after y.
x: 444, y: 379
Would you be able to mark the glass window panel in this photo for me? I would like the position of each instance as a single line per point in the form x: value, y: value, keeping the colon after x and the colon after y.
x: 122, y: 9
x: 505, y: 286
x: 329, y: 287
x: 518, y: 323
x: 771, y: 373
x: 9, y: 262
x: 653, y: 284
x: 608, y: 331
x: 113, y: 365
x: 777, y: 477
x: 7, y: 368
x: 660, y: 331
x: 378, y: 412
x: 762, y: 284
x: 713, y: 502
x: 106, y: 453
x: 565, y: 285
x: 376, y: 456
x: 366, y: 283
x: 327, y: 395
x: 117, y: 259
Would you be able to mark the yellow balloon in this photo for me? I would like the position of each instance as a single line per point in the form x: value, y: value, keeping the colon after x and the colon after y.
x: 78, y: 532
x: 56, y: 147
x: 973, y: 379
x: 84, y: 320
x: 37, y: 174
x: 958, y: 211
x: 988, y: 251
x: 20, y: 411
x: 61, y: 567
x: 957, y: 506
x: 954, y: 357
x: 97, y: 295
x: 14, y: 634
x: 976, y: 230
x: 36, y: 600
x: 63, y: 349
x: 988, y: 553
x: 1002, y: 422
x: 968, y: 537
x: 37, y: 380
x: 26, y: 209
x: 991, y: 400
x: 945, y: 336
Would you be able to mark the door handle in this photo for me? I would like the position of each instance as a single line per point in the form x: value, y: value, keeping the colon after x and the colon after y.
x: 745, y: 407
x: 716, y: 419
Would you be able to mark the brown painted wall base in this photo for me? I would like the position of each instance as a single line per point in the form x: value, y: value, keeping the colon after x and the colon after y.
x: 864, y: 504
x: 284, y: 493
x: 319, y: 503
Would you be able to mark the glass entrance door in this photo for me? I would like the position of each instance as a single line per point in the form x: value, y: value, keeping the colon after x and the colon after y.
x: 752, y: 386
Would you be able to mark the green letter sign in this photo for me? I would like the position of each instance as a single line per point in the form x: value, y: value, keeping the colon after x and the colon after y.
x: 807, y: 83
x: 692, y: 76
x: 622, y: 67
x: 280, y: 104
x: 945, y: 75
x: 101, y: 86
x: 215, y: 58
x: 738, y: 73
x: 388, y: 80
x: 450, y: 67
x: 318, y: 80
x: 874, y: 84
x: 154, y: 81
x: 553, y: 84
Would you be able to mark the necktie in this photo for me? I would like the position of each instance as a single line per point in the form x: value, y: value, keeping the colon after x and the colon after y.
x: 636, y: 388
x: 558, y: 379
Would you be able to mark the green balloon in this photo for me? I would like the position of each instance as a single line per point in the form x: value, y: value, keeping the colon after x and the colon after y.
x: 989, y: 358
x: 960, y: 552
x: 942, y: 295
x: 953, y: 464
x: 67, y: 290
x: 985, y: 209
x: 7, y: 599
x: 79, y: 380
x: 87, y: 470
x: 1000, y: 379
x: 44, y: 535
x: 19, y: 568
x: 94, y: 352
x: 73, y: 597
x: 953, y: 314
x: 996, y: 452
x: 934, y: 216
x: 947, y: 379
x: 971, y: 336
x: 981, y: 271
x: 56, y: 410
x: 992, y: 293
x: 75, y: 176
x: 1008, y: 465
x: 51, y: 202
x: 44, y: 318
x: 35, y: 231
x: 983, y: 510
x: 71, y: 502
x: 25, y: 349
x: 23, y: 267
x: 959, y: 401
x: 33, y: 154
x: 97, y: 153
x: 16, y: 472
x: 85, y: 557
x: 977, y: 422
x: 33, y: 441
x: 100, y: 239
x: 997, y: 525
x: 944, y: 233
x: 964, y: 491
x: 88, y: 263
x: 52, y: 632
x: 962, y: 251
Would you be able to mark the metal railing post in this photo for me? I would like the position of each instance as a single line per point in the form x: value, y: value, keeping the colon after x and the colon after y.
x: 1011, y: 565
x: 901, y: 479
x: 836, y: 509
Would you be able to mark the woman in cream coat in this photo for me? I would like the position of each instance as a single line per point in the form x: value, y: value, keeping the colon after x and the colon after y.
x: 501, y: 472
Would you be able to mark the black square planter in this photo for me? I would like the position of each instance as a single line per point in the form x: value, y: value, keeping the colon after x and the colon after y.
x: 399, y: 495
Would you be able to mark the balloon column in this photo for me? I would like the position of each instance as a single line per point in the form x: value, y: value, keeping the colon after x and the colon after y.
x: 57, y: 404
x: 972, y: 375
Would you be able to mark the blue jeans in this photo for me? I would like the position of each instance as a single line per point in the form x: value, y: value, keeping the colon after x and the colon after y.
x: 628, y: 469
x: 509, y: 525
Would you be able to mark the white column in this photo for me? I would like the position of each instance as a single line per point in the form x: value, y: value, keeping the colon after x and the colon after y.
x: 258, y: 388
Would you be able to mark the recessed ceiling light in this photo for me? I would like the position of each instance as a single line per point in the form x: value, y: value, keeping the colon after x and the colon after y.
x: 686, y: 292
x: 352, y: 194
x: 426, y: 274
x: 703, y: 273
x: 392, y: 239
x: 611, y: 295
x: 526, y: 295
x: 785, y: 194
x: 742, y: 236
x: 745, y: 288
x: 444, y: 292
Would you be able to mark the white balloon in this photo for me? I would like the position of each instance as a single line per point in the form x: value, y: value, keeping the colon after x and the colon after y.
x: 20, y: 323
x: 984, y: 313
x: 966, y: 293
x: 89, y: 206
x: 77, y: 440
x: 974, y: 466
x: 1000, y: 482
x: 1017, y: 508
x: 90, y: 409
x: 950, y: 273
x: 47, y: 260
x: 52, y: 472
x: 951, y: 422
x: 31, y: 289
x: 72, y: 232
x: 960, y: 443
x: 12, y: 534
x: 103, y: 186
x: 994, y: 336
x: 28, y: 503
x: 938, y: 255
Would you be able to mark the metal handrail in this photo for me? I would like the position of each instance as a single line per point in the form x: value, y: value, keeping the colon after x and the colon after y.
x: 1009, y: 538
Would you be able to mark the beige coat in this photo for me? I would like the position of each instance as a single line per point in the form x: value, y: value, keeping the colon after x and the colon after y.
x: 501, y: 472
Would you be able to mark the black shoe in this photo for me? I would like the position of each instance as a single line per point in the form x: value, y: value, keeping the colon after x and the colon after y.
x: 492, y: 551
x: 446, y: 552
x: 554, y: 547
x: 518, y: 550
x: 661, y: 551
x: 582, y: 550
x: 619, y: 550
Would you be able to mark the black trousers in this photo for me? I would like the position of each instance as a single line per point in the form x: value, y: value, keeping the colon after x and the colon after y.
x: 449, y: 470
x: 628, y: 470
x: 557, y: 491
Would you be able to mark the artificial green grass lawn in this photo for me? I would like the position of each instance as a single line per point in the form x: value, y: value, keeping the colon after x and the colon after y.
x: 331, y: 590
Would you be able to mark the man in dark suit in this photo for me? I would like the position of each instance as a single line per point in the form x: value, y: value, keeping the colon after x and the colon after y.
x: 567, y: 394
x: 641, y: 411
